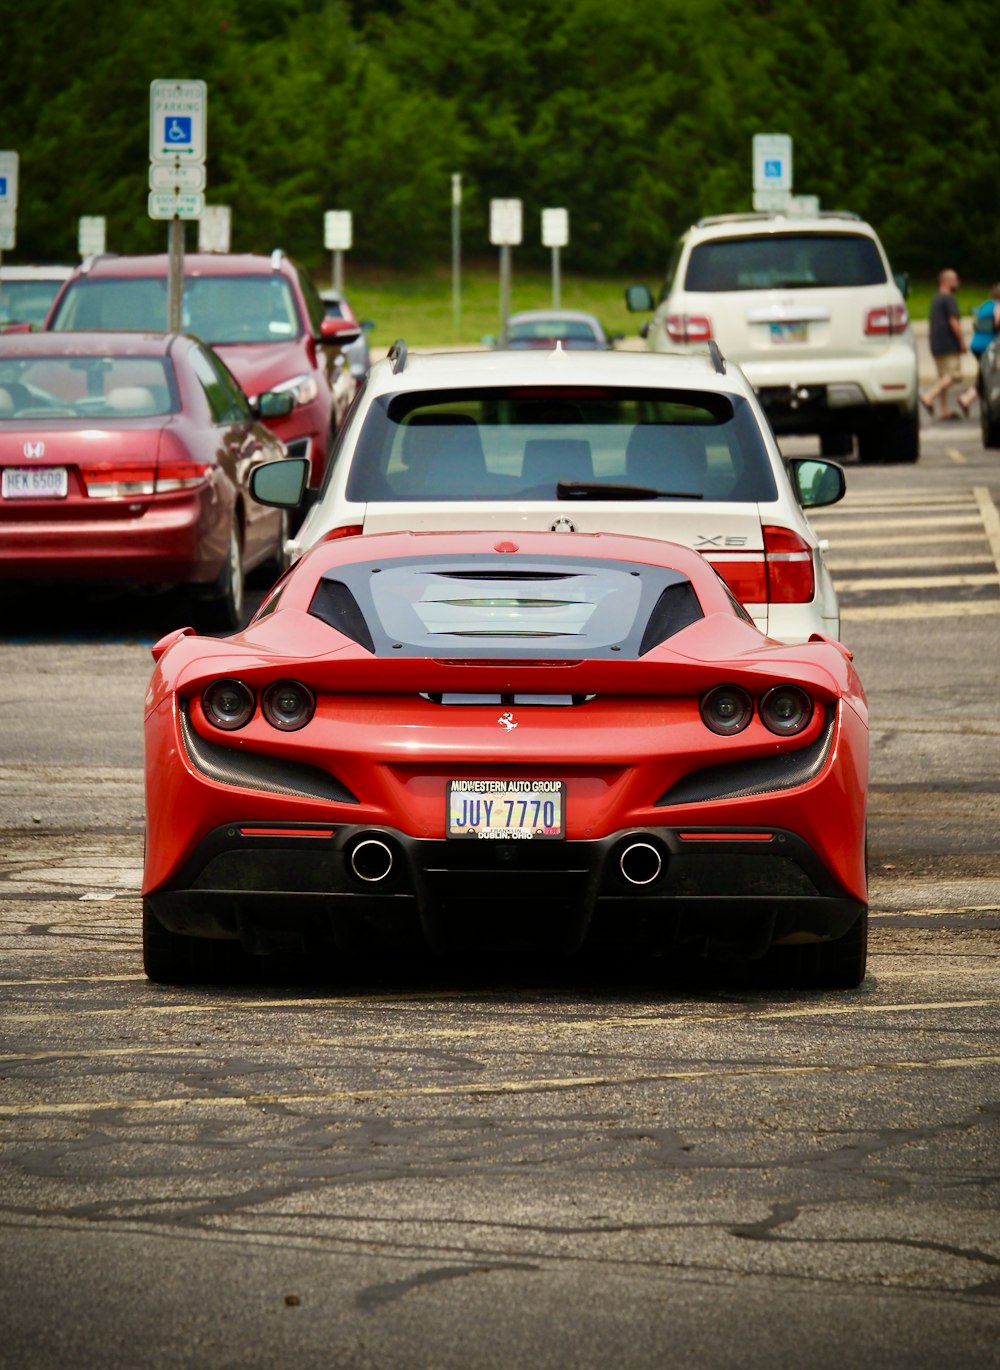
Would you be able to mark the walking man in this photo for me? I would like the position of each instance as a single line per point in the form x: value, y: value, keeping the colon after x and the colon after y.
x: 947, y: 344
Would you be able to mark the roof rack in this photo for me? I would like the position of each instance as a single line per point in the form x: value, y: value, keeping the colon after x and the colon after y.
x: 718, y: 360
x: 397, y: 355
x: 756, y: 216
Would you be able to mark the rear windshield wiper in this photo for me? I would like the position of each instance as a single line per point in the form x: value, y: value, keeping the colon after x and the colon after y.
x: 593, y: 489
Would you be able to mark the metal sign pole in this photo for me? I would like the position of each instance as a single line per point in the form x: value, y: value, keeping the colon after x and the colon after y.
x: 338, y: 270
x: 504, y: 292
x: 456, y: 255
x: 175, y: 285
x: 556, y: 283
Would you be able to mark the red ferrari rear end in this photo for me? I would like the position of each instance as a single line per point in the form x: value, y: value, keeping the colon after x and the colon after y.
x: 457, y: 741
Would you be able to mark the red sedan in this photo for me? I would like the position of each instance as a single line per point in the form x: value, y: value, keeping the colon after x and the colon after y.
x: 482, y: 741
x: 126, y: 458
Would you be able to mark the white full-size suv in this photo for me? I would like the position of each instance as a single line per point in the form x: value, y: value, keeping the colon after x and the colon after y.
x: 573, y: 441
x: 808, y: 307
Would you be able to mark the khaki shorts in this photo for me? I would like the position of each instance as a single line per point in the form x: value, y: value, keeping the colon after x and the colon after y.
x: 950, y: 365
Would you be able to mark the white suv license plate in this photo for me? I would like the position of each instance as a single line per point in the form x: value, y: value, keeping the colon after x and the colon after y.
x: 789, y: 333
x: 506, y: 810
x: 34, y: 482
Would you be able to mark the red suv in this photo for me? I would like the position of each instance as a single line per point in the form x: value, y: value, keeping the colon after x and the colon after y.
x: 261, y: 314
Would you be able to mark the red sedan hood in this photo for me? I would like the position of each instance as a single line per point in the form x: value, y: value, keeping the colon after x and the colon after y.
x: 261, y: 366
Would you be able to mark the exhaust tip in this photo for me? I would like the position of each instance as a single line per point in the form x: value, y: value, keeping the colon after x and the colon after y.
x: 371, y: 860
x: 640, y: 863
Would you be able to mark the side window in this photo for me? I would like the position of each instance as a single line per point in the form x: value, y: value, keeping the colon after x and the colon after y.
x: 672, y: 265
x: 314, y: 305
x: 225, y: 398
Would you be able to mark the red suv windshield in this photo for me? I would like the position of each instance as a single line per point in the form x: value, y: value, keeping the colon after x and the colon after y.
x: 218, y: 309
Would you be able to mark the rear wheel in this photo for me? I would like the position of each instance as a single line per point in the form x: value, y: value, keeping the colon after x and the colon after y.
x: 838, y: 442
x: 818, y: 965
x: 223, y: 606
x: 170, y: 958
x: 990, y: 424
x: 893, y: 441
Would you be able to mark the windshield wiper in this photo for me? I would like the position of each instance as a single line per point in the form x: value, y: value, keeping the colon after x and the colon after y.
x: 592, y: 489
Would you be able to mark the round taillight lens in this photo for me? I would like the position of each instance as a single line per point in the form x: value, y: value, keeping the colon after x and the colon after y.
x: 726, y: 710
x: 288, y: 705
x: 228, y: 704
x: 786, y: 709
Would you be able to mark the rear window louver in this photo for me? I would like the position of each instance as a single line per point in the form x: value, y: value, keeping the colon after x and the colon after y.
x: 676, y: 608
x: 336, y: 606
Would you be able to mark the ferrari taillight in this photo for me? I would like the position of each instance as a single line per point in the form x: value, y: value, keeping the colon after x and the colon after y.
x: 287, y: 705
x: 790, y: 575
x: 349, y: 530
x: 886, y: 321
x: 228, y: 704
x: 688, y: 328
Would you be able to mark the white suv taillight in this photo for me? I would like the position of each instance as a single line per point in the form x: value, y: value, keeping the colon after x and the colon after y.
x: 886, y: 321
x: 688, y: 328
x: 782, y: 574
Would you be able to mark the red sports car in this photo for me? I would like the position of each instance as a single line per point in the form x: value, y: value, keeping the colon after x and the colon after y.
x: 126, y: 458
x: 472, y: 741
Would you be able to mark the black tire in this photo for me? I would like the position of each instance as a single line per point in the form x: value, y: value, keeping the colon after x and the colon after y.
x: 894, y: 441
x: 166, y: 956
x: 818, y: 965
x: 170, y: 958
x: 989, y: 425
x: 222, y: 608
x: 838, y: 442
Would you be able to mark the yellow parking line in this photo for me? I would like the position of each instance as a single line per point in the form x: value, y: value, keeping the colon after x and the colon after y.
x: 919, y: 582
x: 538, y: 1085
x: 955, y: 455
x: 548, y: 1025
x: 991, y: 520
x: 956, y: 609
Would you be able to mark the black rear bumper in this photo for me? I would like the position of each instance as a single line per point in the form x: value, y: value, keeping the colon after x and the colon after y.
x: 711, y: 890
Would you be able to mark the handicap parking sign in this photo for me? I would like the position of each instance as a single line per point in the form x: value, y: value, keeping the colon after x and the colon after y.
x: 177, y: 121
x: 177, y: 131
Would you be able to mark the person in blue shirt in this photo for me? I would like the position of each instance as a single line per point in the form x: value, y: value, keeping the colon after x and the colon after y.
x: 985, y: 327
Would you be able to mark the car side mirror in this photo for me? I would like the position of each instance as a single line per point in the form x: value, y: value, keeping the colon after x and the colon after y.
x: 281, y: 484
x: 338, y: 332
x: 273, y: 404
x: 639, y: 299
x: 817, y: 482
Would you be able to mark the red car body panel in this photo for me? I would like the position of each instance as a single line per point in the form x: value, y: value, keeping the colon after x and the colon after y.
x: 380, y: 734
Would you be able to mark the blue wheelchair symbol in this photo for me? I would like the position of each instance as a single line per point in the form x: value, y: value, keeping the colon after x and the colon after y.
x: 3, y: 186
x: 772, y: 170
x: 177, y: 130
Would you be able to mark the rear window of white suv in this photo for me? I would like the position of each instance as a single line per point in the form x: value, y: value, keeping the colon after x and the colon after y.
x: 524, y: 443
x: 784, y: 261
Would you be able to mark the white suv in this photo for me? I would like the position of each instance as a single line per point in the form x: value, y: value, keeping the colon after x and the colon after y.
x: 589, y: 442
x: 809, y: 308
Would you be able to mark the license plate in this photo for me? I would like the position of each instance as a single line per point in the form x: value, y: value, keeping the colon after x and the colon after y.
x: 789, y: 332
x: 34, y: 482
x: 506, y: 809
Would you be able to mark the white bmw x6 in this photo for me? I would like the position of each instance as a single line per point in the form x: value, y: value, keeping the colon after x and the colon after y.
x: 676, y: 448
